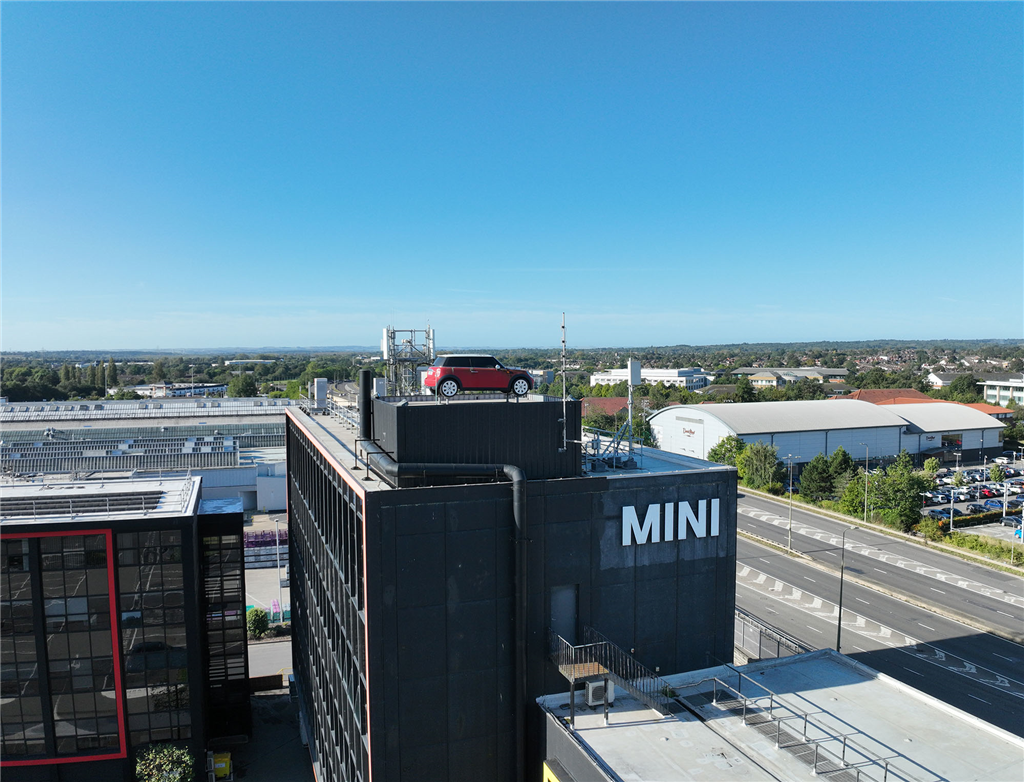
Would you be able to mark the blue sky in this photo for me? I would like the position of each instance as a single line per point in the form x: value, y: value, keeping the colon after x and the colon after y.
x: 182, y: 175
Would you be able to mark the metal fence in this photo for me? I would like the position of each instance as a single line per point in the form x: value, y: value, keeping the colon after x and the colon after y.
x: 760, y: 641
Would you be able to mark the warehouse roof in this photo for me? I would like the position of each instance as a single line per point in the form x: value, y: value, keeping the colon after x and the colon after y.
x: 944, y: 417
x: 799, y: 416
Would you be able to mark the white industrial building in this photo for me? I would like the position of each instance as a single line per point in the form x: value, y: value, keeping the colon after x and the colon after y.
x: 691, y: 378
x: 1002, y: 389
x: 803, y: 429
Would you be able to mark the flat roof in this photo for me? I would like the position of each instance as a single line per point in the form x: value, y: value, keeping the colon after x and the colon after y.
x: 921, y: 737
x: 93, y: 501
x: 338, y: 438
x: 798, y: 416
x: 161, y: 407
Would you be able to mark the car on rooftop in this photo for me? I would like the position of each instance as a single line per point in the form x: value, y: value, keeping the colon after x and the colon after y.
x: 474, y: 372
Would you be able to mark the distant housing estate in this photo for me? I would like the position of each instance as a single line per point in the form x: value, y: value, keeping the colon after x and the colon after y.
x: 776, y: 377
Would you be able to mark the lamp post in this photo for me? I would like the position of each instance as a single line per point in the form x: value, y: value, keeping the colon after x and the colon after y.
x: 842, y: 572
x: 789, y: 529
x: 865, y: 483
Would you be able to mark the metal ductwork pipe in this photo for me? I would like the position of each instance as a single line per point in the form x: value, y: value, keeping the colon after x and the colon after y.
x: 365, y: 404
x: 380, y: 462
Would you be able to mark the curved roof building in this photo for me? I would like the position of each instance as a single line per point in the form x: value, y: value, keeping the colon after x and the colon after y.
x: 804, y: 429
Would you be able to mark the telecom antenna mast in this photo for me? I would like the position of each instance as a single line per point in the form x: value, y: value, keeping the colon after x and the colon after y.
x: 405, y: 350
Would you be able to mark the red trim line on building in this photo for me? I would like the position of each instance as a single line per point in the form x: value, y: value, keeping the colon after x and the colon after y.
x: 342, y: 471
x: 115, y: 647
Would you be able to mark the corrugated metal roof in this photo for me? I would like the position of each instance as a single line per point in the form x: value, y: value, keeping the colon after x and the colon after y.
x: 800, y: 416
x: 944, y: 417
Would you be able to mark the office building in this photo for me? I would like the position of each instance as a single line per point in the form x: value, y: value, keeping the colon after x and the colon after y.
x: 440, y: 549
x: 123, y: 624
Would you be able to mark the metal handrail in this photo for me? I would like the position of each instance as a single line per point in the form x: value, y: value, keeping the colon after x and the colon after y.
x: 597, y: 657
x: 753, y: 702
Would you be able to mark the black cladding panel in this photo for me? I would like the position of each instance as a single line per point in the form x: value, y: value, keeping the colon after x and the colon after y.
x: 527, y: 434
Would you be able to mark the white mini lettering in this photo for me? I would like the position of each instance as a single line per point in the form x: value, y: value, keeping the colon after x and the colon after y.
x: 674, y: 525
x: 631, y: 529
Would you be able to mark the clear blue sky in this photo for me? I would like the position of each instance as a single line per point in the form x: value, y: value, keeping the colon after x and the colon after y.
x: 184, y: 175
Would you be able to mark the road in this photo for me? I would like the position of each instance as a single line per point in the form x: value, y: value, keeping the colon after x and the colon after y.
x: 978, y: 673
x: 984, y: 598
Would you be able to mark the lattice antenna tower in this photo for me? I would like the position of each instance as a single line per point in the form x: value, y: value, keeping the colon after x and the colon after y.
x: 404, y: 351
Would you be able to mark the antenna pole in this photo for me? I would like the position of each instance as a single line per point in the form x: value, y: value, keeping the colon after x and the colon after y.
x: 565, y: 423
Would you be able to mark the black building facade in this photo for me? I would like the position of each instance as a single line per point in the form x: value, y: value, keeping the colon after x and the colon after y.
x: 122, y: 613
x: 424, y: 591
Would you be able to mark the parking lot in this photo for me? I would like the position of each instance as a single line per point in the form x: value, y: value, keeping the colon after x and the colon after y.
x: 978, y: 495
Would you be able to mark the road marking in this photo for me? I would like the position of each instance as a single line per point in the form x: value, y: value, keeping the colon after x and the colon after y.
x: 1009, y: 659
x: 764, y: 560
x: 815, y: 629
x: 880, y: 571
x: 835, y: 539
x: 926, y: 627
x: 941, y: 592
x: 810, y: 579
x: 1004, y: 614
x: 865, y: 602
x: 859, y: 649
x: 979, y: 699
x: 905, y: 668
x: 832, y: 553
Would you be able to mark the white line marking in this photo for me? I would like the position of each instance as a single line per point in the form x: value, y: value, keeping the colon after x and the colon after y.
x: 905, y: 668
x: 1005, y: 614
x: 880, y: 571
x: 832, y: 553
x: 859, y: 649
x: 931, y: 588
x: 815, y: 629
x: 764, y: 560
x: 810, y: 579
x: 926, y: 627
x: 865, y: 602
x: 979, y: 699
x: 1009, y: 659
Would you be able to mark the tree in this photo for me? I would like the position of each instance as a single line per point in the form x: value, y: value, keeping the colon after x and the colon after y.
x: 1016, y: 365
x: 839, y: 463
x: 964, y: 388
x: 159, y: 373
x: 111, y: 373
x: 257, y: 622
x: 727, y: 450
x: 816, y: 479
x: 959, y: 481
x: 852, y: 500
x: 759, y: 465
x: 242, y: 386
x: 996, y: 473
x: 164, y: 763
x: 931, y: 465
x: 744, y: 391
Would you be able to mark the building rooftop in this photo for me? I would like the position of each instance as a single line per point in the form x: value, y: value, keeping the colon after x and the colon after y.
x: 92, y: 501
x: 15, y: 412
x: 797, y: 416
x: 338, y: 436
x: 884, y: 721
x: 944, y: 416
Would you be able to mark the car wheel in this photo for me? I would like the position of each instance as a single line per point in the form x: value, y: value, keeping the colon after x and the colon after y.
x: 520, y: 386
x: 448, y: 387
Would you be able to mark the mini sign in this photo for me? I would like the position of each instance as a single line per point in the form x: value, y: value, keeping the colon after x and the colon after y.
x: 674, y: 523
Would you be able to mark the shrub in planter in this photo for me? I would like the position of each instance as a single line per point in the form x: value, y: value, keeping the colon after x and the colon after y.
x: 164, y: 763
x: 257, y: 622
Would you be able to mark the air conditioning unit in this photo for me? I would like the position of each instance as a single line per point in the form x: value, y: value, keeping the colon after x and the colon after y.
x: 595, y: 693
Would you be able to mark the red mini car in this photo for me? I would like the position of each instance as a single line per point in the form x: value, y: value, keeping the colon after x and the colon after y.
x: 454, y: 373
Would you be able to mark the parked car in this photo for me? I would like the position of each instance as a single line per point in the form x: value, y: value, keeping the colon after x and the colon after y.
x: 453, y: 373
x: 938, y: 514
x: 1003, y: 459
x: 993, y: 504
x: 1010, y: 521
x: 976, y: 508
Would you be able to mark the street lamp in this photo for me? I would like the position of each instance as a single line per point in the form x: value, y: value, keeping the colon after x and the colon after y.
x: 789, y: 544
x: 865, y: 483
x: 842, y: 572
